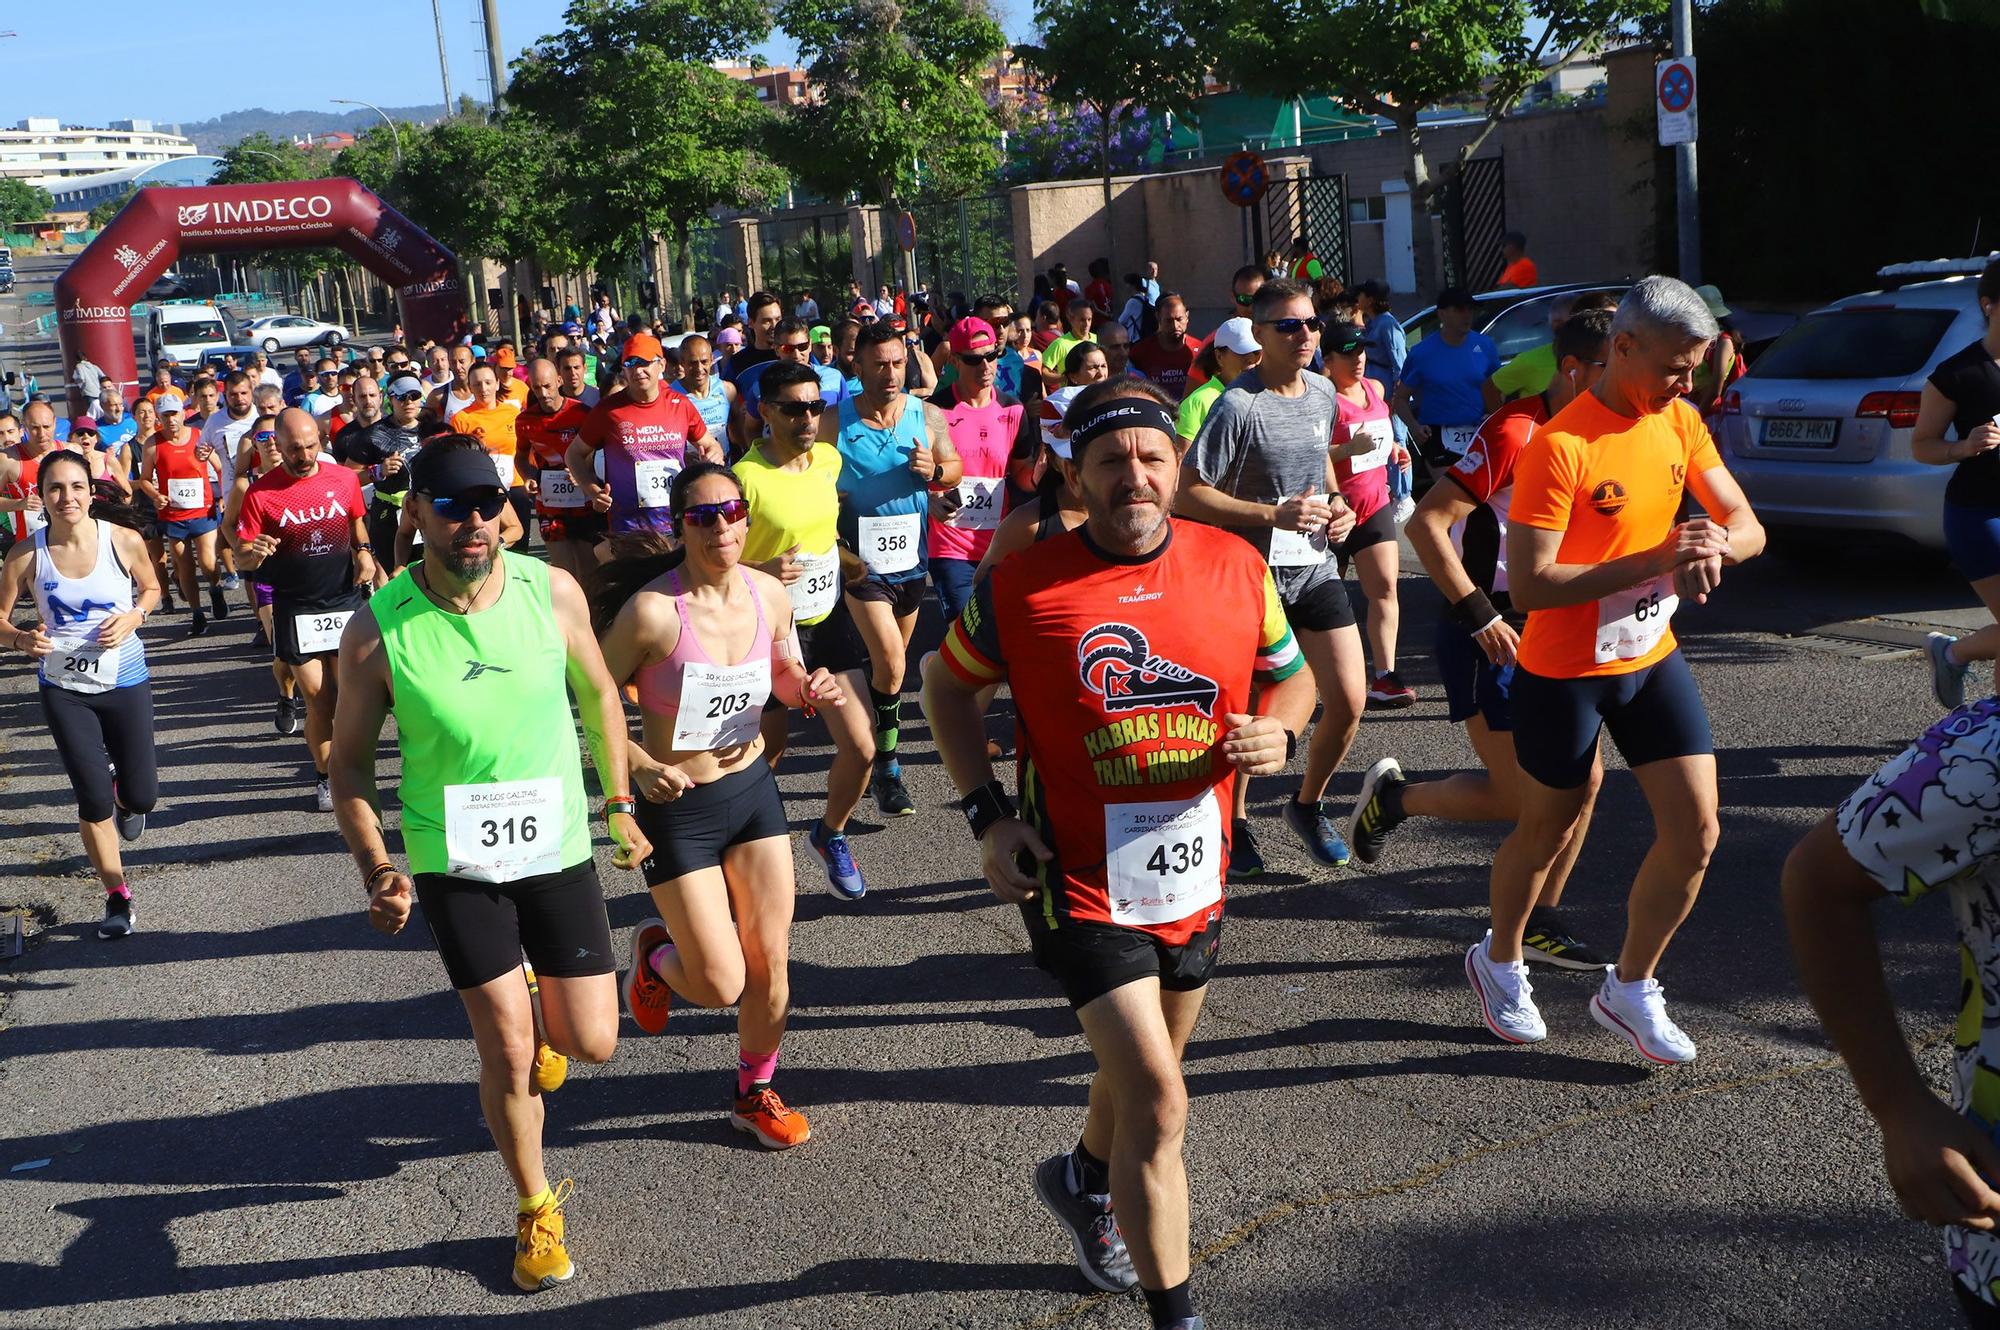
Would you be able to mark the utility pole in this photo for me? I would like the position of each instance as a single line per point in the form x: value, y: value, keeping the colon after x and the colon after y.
x: 496, y: 67
x: 1687, y: 178
x: 444, y: 70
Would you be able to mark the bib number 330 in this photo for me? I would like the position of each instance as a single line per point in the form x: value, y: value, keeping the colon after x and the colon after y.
x: 1163, y: 861
x: 1632, y: 622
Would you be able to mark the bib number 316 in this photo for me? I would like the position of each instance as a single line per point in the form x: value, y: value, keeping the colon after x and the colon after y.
x: 504, y: 831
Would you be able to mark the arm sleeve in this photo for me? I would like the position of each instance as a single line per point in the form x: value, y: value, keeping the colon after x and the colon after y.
x: 971, y: 648
x: 1278, y: 655
x: 1544, y: 484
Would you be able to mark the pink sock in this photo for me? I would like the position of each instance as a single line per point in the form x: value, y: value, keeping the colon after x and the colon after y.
x: 753, y: 1068
x: 120, y: 890
x: 658, y: 957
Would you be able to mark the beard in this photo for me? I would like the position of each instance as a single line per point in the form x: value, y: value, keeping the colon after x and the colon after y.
x: 1133, y: 525
x: 468, y: 563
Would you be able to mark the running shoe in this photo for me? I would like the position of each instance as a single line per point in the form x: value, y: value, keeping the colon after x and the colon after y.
x: 1637, y: 1013
x: 540, y: 1259
x: 1388, y: 693
x: 217, y: 603
x: 231, y: 582
x: 551, y: 1069
x: 288, y: 715
x: 198, y: 624
x: 117, y: 921
x: 1947, y: 676
x: 1315, y: 831
x: 763, y: 1115
x: 1549, y: 942
x: 843, y: 875
x: 1245, y: 860
x: 1506, y: 998
x: 1093, y: 1229
x: 647, y: 996
x: 323, y: 795
x: 1378, y: 811
x: 131, y: 826
x: 890, y: 796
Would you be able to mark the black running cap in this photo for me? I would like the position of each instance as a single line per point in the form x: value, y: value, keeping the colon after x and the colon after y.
x: 446, y: 473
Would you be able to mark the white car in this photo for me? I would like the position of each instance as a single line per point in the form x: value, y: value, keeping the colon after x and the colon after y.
x: 282, y: 332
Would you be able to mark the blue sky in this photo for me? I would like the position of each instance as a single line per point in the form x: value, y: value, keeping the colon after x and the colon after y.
x: 383, y: 51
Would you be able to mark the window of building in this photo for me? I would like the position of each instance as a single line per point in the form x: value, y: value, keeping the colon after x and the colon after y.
x: 1367, y: 208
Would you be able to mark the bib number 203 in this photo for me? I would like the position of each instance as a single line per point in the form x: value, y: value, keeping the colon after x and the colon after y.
x: 727, y: 704
x: 496, y: 832
x: 1177, y: 857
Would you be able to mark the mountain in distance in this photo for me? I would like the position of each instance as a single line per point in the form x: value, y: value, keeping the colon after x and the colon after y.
x: 216, y: 134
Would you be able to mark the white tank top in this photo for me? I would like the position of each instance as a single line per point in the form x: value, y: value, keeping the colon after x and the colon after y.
x: 73, y: 608
x: 453, y: 403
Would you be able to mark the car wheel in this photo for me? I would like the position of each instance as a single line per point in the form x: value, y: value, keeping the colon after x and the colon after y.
x: 334, y: 339
x: 270, y: 345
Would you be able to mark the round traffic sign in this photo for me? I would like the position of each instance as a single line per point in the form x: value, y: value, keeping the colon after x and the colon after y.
x: 1244, y: 178
x: 1677, y: 87
x: 906, y: 231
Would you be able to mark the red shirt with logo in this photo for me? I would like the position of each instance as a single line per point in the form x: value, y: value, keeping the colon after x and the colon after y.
x: 25, y: 524
x: 548, y: 439
x: 1167, y: 366
x: 645, y: 447
x: 313, y: 519
x: 181, y: 478
x: 1486, y: 472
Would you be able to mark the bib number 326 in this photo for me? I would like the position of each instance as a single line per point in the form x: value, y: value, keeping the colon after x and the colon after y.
x: 1163, y: 861
x: 1631, y: 622
x: 504, y: 831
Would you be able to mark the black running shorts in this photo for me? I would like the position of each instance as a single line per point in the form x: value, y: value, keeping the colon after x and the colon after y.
x: 483, y: 928
x: 1653, y: 714
x: 1091, y: 959
x: 691, y: 833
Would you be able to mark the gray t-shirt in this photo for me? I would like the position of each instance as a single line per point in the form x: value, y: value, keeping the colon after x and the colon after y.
x: 1263, y: 448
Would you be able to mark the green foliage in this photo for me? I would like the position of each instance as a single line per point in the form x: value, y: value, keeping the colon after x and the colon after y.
x: 902, y: 113
x: 1112, y: 55
x: 22, y: 204
x: 100, y: 216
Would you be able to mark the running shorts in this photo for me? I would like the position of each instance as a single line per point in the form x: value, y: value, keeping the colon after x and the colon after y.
x: 482, y: 929
x: 1972, y: 536
x: 691, y: 833
x: 1473, y: 685
x: 902, y: 597
x: 1377, y: 528
x: 260, y: 593
x: 193, y: 527
x: 1653, y: 714
x: 1090, y: 959
x: 285, y: 624
x: 1319, y: 607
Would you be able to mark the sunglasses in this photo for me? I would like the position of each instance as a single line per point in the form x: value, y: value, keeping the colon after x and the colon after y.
x: 458, y: 507
x: 264, y: 435
x: 1245, y: 300
x: 1293, y: 327
x: 633, y: 362
x: 976, y: 357
x: 409, y: 397
x: 708, y: 514
x: 798, y: 347
x: 799, y: 410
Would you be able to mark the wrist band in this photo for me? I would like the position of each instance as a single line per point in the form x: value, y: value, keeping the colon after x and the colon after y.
x: 1475, y: 613
x: 621, y: 803
x: 985, y: 806
x: 375, y: 875
x: 1291, y: 745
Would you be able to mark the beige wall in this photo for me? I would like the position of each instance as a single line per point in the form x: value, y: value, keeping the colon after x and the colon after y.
x: 1062, y: 221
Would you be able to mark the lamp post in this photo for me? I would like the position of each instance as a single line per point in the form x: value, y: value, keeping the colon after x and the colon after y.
x: 395, y: 134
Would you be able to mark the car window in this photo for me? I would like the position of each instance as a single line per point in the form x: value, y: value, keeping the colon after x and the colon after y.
x: 1856, y: 344
x: 193, y: 331
x: 1420, y: 327
x: 1522, y: 328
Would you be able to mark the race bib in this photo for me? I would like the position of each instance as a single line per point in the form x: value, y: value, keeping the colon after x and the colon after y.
x: 504, y: 831
x: 1298, y: 549
x: 185, y: 494
x: 1163, y: 861
x: 559, y: 490
x: 503, y: 467
x: 979, y: 503
x: 889, y: 544
x: 1631, y: 622
x: 1458, y: 437
x: 654, y: 477
x: 320, y: 632
x: 85, y: 666
x: 721, y: 705
x: 34, y: 519
x: 1382, y: 439
x: 818, y: 587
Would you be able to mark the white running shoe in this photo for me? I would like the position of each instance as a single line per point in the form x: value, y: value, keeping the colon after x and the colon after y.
x: 1637, y: 1013
x: 1506, y: 998
x: 323, y: 795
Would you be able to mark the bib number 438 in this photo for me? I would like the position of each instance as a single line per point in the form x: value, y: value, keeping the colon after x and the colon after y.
x: 1162, y: 861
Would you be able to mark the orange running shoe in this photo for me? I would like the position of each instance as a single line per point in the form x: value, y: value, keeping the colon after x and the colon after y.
x: 540, y: 1258
x: 647, y: 996
x: 763, y: 1115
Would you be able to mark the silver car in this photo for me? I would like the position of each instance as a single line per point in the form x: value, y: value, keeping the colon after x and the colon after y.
x: 1818, y: 431
x: 283, y: 332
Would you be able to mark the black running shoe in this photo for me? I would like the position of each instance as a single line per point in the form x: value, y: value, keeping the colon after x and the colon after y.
x: 218, y: 602
x: 890, y: 796
x: 1245, y: 861
x: 117, y: 920
x: 1549, y: 942
x: 1093, y: 1229
x: 1378, y: 811
x: 198, y: 624
x: 290, y: 710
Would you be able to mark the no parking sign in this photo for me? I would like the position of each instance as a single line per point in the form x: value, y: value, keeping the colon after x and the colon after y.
x: 1674, y: 86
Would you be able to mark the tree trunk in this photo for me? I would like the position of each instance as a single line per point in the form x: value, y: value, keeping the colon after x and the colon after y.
x: 1105, y: 126
x: 511, y: 286
x: 1417, y: 174
x: 683, y: 260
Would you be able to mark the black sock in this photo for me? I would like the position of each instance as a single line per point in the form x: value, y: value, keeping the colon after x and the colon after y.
x: 1093, y: 1175
x: 1169, y: 1305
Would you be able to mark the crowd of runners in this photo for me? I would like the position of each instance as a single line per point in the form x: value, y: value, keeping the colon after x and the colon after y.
x: 1148, y: 540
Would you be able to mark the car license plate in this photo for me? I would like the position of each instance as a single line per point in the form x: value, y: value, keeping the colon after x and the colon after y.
x: 1787, y: 433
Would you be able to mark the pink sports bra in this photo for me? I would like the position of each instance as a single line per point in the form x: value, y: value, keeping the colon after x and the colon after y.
x: 660, y: 683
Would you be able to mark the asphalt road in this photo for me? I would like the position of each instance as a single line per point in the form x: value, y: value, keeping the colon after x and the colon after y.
x: 258, y: 1112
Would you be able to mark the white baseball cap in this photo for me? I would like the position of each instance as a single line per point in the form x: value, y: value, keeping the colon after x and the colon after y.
x: 1236, y: 335
x: 169, y: 402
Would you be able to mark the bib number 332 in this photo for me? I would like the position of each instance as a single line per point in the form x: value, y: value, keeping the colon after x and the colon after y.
x: 1631, y: 622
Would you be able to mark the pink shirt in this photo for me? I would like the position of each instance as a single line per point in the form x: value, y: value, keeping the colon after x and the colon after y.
x: 1364, y: 480
x: 984, y: 438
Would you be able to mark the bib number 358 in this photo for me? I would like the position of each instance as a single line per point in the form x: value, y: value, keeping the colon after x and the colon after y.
x: 1163, y: 861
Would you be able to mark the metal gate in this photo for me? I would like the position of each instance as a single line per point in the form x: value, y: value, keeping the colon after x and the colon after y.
x: 1312, y: 209
x: 965, y: 248
x: 811, y: 252
x: 1473, y: 201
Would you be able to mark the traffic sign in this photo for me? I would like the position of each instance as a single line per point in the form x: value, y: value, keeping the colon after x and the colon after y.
x: 906, y: 231
x: 1675, y: 90
x: 1244, y: 178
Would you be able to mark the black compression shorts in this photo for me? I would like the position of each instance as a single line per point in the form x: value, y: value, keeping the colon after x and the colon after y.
x: 483, y: 928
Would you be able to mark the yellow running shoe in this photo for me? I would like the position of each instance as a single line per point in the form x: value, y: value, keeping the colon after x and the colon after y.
x: 540, y: 1259
x: 551, y: 1069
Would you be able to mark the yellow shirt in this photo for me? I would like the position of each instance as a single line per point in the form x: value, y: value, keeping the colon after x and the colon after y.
x: 790, y: 508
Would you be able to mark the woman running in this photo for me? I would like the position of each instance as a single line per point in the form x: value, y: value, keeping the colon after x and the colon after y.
x: 707, y: 641
x: 93, y: 586
x: 1364, y: 446
x: 258, y: 454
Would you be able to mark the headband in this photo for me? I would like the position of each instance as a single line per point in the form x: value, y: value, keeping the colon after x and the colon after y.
x: 1121, y: 413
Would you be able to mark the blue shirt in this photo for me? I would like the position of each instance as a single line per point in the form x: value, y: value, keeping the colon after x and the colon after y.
x: 1007, y: 374
x: 832, y: 388
x: 1447, y: 378
x: 876, y: 480
x: 712, y: 406
x: 1387, y: 349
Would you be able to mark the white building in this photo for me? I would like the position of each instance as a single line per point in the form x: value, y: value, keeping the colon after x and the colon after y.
x: 45, y: 152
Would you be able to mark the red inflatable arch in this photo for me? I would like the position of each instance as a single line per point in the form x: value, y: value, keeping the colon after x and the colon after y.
x: 95, y: 294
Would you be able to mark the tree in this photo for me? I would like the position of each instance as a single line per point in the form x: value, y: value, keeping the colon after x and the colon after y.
x: 1118, y: 60
x: 631, y: 86
x: 100, y: 216
x: 22, y: 205
x: 1395, y: 60
x: 899, y: 113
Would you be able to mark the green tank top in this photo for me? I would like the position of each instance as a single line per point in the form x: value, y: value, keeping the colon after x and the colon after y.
x: 492, y: 780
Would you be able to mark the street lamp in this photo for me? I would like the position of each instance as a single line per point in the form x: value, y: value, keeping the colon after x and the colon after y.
x: 395, y: 134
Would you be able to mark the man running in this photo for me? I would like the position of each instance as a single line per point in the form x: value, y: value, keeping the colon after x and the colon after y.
x: 700, y: 384
x: 575, y: 370
x: 645, y: 433
x: 304, y: 525
x: 793, y: 346
x: 494, y: 820
x: 1261, y: 466
x: 894, y: 450
x: 1168, y: 355
x: 380, y: 447
x: 178, y: 476
x: 547, y: 426
x: 1597, y: 556
x: 1441, y: 393
x: 1130, y: 645
x: 1460, y: 533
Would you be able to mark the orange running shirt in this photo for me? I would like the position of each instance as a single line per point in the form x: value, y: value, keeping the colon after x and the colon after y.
x: 494, y: 426
x: 1521, y: 273
x: 1613, y: 487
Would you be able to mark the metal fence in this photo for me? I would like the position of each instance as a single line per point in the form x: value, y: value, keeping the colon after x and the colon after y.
x: 1474, y: 203
x: 806, y: 252
x: 966, y: 247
